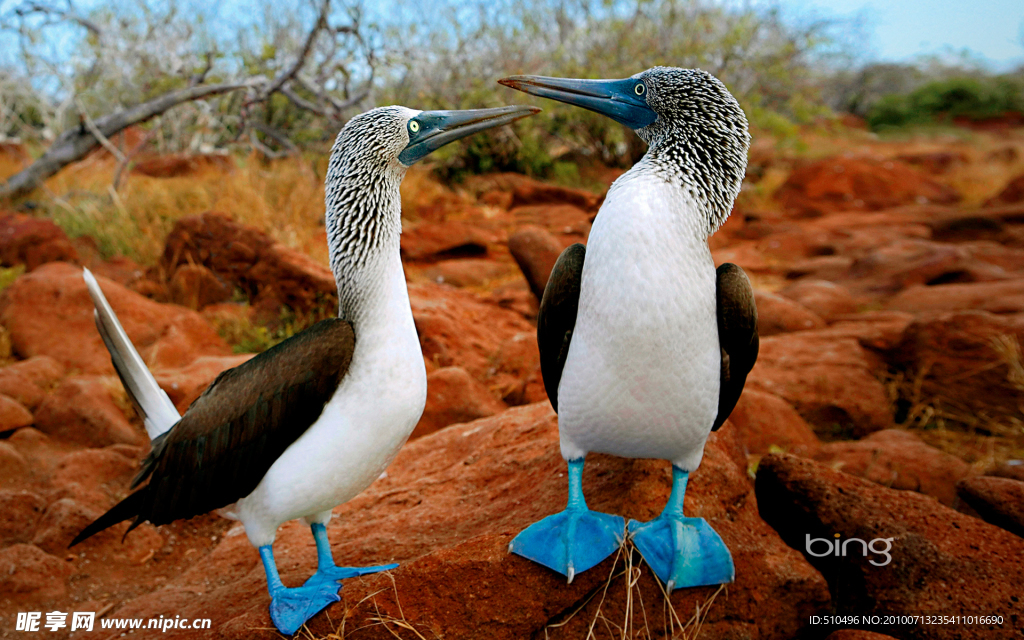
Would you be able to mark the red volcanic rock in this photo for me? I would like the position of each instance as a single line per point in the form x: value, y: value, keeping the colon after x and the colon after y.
x: 518, y: 356
x: 186, y: 384
x: 65, y: 518
x: 997, y: 500
x: 96, y: 477
x: 453, y: 397
x: 28, y: 573
x: 973, y: 348
x: 1005, y: 296
x: 29, y: 380
x: 865, y: 184
x: 567, y: 222
x: 827, y: 379
x: 467, y: 272
x: 458, y: 329
x: 900, y: 460
x: 41, y: 453
x: 451, y: 239
x: 13, y: 466
x: 13, y: 415
x: 776, y: 314
x: 527, y: 191
x: 21, y: 511
x: 1012, y: 193
x: 764, y: 421
x: 81, y: 410
x: 32, y: 242
x: 49, y: 312
x: 120, y: 269
x: 874, y: 330
x: 942, y: 560
x: 827, y: 299
x: 904, y: 263
x: 245, y: 257
x: 447, y: 509
x: 194, y: 286
x: 176, y: 165
x: 535, y: 251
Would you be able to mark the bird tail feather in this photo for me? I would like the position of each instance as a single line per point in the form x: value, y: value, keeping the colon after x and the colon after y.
x: 130, y: 507
x: 157, y: 410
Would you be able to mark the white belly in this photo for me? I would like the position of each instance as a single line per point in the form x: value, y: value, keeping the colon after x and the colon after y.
x: 361, y: 429
x: 641, y: 378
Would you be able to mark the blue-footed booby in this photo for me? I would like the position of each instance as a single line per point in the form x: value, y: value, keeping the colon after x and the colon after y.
x: 310, y: 423
x: 644, y: 345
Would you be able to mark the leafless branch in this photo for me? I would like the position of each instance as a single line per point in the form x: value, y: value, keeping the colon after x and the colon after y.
x: 277, y: 136
x: 300, y: 59
x: 74, y: 143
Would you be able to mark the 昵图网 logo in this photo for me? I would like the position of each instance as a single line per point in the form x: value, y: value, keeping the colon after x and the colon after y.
x: 840, y: 548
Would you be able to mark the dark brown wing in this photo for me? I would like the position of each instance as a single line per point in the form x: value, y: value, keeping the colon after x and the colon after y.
x: 233, y: 433
x: 557, y: 316
x: 737, y: 335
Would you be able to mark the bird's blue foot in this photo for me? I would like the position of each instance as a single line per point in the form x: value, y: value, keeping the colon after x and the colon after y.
x: 683, y: 552
x: 291, y: 608
x: 325, y: 567
x: 574, y: 540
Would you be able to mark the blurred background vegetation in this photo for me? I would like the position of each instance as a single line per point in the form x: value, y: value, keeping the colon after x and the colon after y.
x: 65, y: 66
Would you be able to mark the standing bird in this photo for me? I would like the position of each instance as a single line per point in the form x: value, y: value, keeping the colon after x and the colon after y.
x: 311, y: 422
x: 644, y: 345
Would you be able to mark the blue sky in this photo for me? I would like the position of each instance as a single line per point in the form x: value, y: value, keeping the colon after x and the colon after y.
x: 899, y: 30
x: 895, y: 30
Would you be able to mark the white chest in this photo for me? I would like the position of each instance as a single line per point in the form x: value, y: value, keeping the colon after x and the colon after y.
x: 642, y: 374
x: 362, y: 427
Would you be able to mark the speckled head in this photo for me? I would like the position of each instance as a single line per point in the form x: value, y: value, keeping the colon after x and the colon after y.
x: 696, y: 130
x: 369, y: 160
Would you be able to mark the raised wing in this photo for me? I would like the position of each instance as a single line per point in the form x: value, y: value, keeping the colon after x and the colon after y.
x: 557, y: 316
x: 232, y: 434
x: 737, y: 335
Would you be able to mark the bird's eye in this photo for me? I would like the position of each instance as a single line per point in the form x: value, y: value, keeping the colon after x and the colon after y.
x: 639, y: 89
x: 414, y: 126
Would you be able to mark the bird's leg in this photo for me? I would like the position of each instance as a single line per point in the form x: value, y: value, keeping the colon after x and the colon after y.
x: 290, y: 608
x: 326, y: 569
x: 683, y: 552
x: 574, y: 540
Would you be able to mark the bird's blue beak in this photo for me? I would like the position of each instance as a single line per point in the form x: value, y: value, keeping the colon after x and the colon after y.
x: 431, y: 130
x: 624, y: 101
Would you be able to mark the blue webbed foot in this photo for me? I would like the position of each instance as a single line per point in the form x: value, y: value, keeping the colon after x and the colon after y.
x: 574, y: 540
x: 336, y: 573
x: 291, y: 608
x: 325, y: 567
x: 683, y: 552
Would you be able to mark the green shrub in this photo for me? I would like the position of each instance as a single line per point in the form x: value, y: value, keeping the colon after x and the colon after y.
x: 945, y: 100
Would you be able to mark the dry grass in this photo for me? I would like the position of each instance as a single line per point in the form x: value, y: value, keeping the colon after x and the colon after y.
x: 635, y: 624
x: 284, y: 197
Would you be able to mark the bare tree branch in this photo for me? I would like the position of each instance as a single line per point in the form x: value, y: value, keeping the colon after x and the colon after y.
x: 300, y: 59
x: 73, y: 144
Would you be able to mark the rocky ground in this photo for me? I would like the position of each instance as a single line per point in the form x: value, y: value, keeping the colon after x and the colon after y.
x: 887, y: 403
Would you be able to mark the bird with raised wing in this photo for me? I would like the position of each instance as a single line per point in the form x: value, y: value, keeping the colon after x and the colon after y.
x: 644, y: 345
x: 310, y: 423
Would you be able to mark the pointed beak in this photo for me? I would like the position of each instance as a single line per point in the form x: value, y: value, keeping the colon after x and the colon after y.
x: 438, y: 128
x: 620, y: 100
